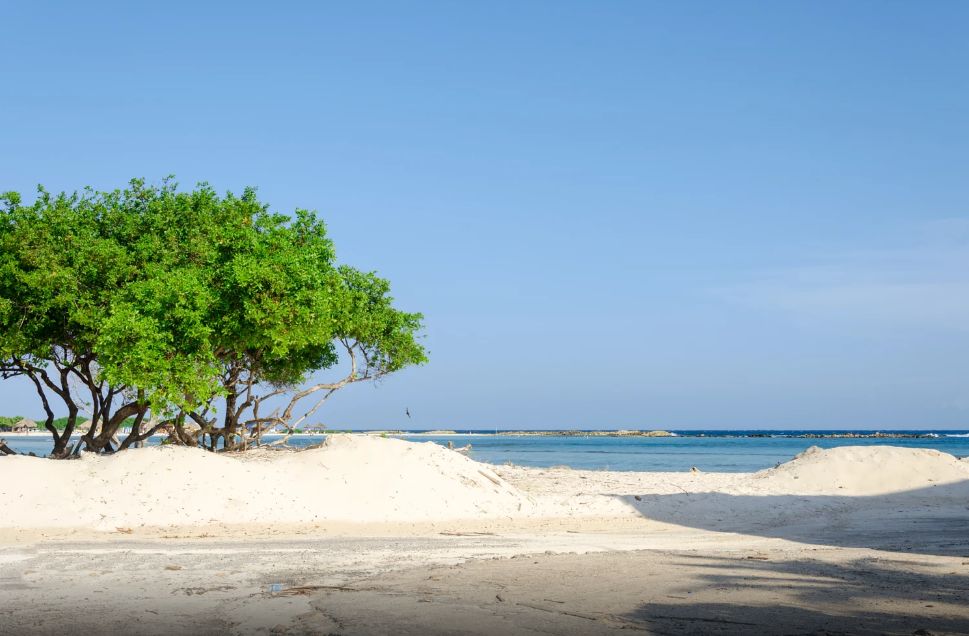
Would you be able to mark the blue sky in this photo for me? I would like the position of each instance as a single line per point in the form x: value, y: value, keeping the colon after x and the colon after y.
x: 613, y: 214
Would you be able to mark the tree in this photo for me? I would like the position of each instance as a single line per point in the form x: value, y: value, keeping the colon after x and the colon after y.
x: 150, y: 300
x: 376, y: 338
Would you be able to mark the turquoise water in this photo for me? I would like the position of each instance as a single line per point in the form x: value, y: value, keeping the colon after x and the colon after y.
x: 711, y: 451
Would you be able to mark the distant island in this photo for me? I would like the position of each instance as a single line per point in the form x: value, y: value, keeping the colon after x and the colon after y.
x: 665, y: 433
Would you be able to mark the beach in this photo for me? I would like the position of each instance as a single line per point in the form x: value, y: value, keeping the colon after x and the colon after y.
x: 369, y: 535
x: 477, y: 318
x: 717, y: 451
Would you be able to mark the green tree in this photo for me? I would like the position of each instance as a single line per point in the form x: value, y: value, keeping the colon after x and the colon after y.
x: 7, y: 421
x: 375, y: 338
x: 182, y: 304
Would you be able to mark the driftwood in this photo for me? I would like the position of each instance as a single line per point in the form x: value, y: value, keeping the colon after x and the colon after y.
x: 6, y: 450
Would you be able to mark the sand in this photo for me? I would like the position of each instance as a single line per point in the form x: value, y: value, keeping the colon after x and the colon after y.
x: 366, y: 479
x: 351, y: 478
x: 863, y: 470
x: 369, y: 535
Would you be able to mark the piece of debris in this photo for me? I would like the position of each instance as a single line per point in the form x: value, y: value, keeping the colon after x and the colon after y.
x: 492, y: 479
x: 454, y: 533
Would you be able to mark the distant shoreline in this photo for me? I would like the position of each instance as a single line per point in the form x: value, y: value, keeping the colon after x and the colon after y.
x: 752, y: 433
x: 793, y: 435
x: 618, y: 433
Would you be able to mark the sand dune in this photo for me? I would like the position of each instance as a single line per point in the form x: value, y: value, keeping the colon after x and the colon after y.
x: 365, y: 479
x: 352, y: 478
x: 864, y: 470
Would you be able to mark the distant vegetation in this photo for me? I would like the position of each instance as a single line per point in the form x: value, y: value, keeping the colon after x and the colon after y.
x: 7, y: 422
x: 60, y: 423
x: 152, y: 306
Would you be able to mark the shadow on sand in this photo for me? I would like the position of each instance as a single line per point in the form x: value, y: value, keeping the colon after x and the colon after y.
x: 805, y: 596
x: 660, y: 592
x: 932, y: 520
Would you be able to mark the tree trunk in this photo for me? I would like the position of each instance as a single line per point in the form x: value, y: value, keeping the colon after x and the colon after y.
x: 136, y: 430
x: 62, y: 439
x: 231, y: 421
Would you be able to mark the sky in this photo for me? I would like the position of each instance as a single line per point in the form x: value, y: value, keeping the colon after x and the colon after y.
x: 612, y: 214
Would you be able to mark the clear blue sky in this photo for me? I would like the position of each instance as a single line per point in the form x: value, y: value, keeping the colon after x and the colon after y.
x: 613, y: 214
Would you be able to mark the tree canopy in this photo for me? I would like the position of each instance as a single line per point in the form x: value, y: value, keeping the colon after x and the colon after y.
x: 7, y: 421
x: 185, y: 305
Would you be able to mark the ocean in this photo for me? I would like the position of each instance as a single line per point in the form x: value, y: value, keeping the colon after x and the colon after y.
x: 710, y: 451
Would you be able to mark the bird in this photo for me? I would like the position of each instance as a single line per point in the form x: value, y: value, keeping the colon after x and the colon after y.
x: 407, y: 411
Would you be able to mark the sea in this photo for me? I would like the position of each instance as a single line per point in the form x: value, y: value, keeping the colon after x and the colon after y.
x: 709, y: 451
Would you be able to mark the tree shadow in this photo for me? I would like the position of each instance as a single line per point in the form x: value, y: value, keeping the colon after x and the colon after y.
x: 659, y: 592
x: 931, y: 520
x: 806, y: 596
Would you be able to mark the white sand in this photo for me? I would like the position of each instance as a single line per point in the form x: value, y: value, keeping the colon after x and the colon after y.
x: 864, y: 470
x: 367, y: 535
x: 365, y: 479
x: 352, y: 478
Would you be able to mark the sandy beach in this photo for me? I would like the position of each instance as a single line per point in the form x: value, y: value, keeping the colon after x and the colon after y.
x: 370, y: 535
x: 474, y: 318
